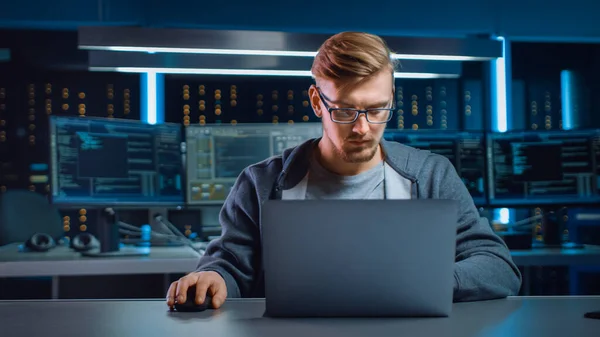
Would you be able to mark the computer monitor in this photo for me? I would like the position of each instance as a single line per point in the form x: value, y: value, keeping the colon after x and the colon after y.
x: 543, y: 167
x: 217, y: 154
x: 465, y: 150
x: 115, y: 163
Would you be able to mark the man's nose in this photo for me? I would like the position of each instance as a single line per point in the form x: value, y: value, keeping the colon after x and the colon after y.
x: 361, y: 126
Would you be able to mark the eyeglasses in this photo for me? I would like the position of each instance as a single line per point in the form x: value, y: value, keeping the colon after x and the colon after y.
x: 350, y: 115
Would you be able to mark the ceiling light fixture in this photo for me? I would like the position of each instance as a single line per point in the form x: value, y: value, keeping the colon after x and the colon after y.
x: 253, y: 65
x: 251, y: 72
x: 269, y: 43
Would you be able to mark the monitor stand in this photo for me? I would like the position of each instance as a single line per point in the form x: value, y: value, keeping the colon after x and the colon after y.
x: 108, y: 236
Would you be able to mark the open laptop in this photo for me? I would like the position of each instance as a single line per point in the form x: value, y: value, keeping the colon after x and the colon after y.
x: 359, y: 258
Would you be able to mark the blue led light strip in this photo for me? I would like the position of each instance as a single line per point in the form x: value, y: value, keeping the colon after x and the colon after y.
x: 500, y: 89
x: 152, y: 95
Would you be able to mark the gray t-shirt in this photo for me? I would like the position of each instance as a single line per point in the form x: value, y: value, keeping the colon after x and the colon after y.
x: 323, y: 184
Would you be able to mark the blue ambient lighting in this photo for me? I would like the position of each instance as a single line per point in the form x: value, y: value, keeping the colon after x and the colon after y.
x: 504, y: 216
x: 152, y: 97
x: 499, y: 88
x: 566, y: 87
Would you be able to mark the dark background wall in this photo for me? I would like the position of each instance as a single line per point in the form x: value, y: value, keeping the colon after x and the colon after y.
x: 532, y: 20
x: 47, y: 74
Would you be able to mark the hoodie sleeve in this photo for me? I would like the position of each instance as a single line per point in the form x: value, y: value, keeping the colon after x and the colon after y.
x: 484, y: 268
x: 235, y: 254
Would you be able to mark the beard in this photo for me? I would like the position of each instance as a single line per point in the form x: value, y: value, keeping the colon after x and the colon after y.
x: 357, y: 153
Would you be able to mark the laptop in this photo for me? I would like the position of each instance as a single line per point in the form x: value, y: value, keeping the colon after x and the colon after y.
x: 359, y: 258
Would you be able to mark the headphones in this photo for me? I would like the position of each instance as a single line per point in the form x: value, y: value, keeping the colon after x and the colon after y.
x: 42, y: 242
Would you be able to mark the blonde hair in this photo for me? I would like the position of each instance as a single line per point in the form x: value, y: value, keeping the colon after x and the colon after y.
x: 348, y: 58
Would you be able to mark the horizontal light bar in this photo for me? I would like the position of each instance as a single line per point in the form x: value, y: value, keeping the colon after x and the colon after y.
x: 208, y: 51
x: 173, y: 63
x: 252, y: 72
x: 246, y: 52
x: 271, y: 43
x: 438, y: 57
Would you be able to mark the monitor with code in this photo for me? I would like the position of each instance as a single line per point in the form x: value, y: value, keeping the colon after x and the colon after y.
x: 217, y: 154
x: 543, y: 167
x: 114, y: 162
x: 465, y: 150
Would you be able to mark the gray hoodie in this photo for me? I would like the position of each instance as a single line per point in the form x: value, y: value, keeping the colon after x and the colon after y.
x: 483, y: 270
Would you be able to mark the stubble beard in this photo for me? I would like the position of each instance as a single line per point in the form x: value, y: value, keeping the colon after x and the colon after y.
x: 356, y: 154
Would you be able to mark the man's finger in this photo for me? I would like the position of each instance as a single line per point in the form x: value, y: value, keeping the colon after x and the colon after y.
x: 171, y: 294
x: 219, y: 294
x: 202, y: 285
x: 182, y: 286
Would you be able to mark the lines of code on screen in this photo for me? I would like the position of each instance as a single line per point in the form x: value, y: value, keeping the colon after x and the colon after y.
x: 217, y: 154
x: 234, y: 153
x: 542, y: 168
x: 115, y: 162
x: 465, y: 150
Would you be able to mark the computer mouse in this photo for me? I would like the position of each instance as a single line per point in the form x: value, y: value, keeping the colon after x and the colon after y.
x: 190, y: 302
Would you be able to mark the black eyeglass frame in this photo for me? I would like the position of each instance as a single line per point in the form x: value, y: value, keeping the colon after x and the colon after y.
x: 357, y: 112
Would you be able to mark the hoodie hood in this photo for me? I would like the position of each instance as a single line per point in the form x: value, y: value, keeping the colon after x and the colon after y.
x: 406, y: 161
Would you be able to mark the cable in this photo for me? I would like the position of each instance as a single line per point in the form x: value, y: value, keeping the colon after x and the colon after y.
x: 130, y: 227
x: 175, y: 235
x: 136, y: 231
x: 520, y: 225
x: 168, y: 225
x: 525, y: 222
x: 128, y: 232
x: 176, y: 231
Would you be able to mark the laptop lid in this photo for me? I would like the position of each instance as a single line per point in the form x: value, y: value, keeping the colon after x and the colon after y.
x: 359, y: 257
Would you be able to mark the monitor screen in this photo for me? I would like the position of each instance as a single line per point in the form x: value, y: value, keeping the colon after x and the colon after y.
x: 545, y: 167
x: 117, y: 163
x: 217, y: 154
x: 465, y: 150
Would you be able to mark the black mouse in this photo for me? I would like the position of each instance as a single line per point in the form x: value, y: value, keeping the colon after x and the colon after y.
x: 190, y: 302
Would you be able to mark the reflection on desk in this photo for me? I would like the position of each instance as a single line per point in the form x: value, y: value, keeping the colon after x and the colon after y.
x: 515, y: 316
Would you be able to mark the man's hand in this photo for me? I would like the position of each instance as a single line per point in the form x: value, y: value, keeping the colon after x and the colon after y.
x: 205, y: 282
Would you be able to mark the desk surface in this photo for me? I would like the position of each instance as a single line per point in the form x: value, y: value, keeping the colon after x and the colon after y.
x: 515, y: 317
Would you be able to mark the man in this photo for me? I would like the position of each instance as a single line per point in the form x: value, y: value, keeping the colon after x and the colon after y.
x: 354, y: 97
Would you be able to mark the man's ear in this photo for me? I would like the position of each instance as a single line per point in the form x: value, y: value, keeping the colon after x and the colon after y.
x: 315, y: 101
